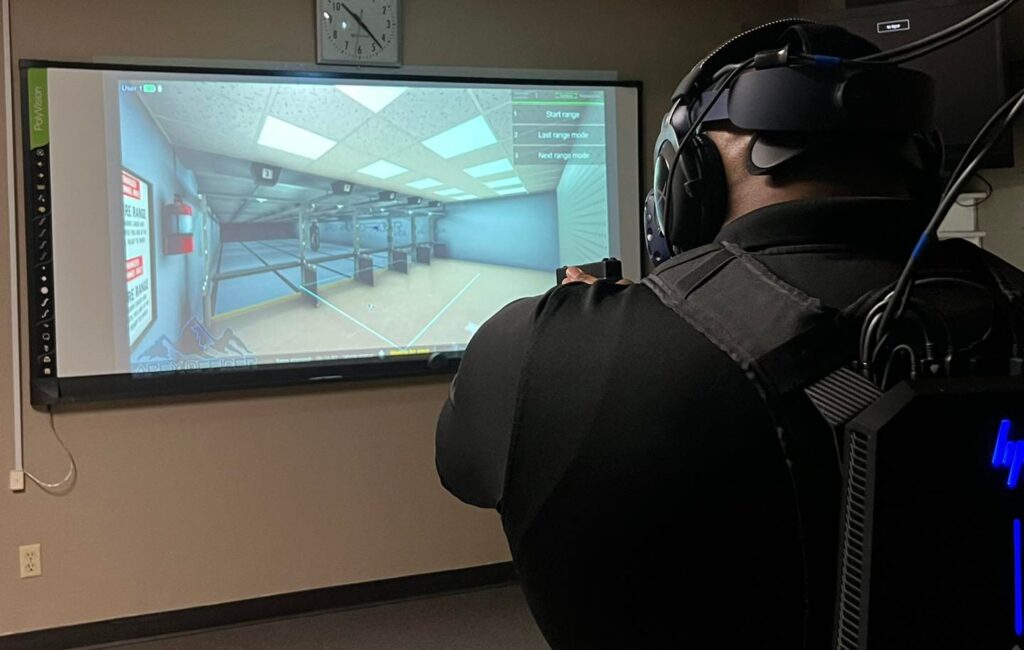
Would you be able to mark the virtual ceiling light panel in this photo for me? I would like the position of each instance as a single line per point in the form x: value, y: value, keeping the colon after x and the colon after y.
x: 280, y: 135
x: 450, y: 192
x: 505, y: 182
x: 425, y: 184
x: 383, y: 169
x: 468, y: 136
x: 375, y: 98
x: 514, y: 190
x: 490, y: 169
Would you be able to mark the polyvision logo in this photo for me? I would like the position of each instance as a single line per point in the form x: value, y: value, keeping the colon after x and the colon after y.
x: 38, y: 116
x: 39, y: 133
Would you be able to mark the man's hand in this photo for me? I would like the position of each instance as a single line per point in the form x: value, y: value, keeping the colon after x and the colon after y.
x: 575, y: 274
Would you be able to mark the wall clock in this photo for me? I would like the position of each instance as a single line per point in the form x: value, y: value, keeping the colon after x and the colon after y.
x: 359, y: 32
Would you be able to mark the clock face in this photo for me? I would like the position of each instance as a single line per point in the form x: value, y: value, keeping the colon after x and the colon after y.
x: 362, y: 32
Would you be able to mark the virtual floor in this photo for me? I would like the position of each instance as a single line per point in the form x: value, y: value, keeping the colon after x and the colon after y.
x: 436, y: 304
x: 250, y: 290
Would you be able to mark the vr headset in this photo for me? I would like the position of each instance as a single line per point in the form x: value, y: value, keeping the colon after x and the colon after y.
x: 776, y: 82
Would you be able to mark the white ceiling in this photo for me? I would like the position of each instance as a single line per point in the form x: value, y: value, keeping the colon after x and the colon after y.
x: 226, y: 118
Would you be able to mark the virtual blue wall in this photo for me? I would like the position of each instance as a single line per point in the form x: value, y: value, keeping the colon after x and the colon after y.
x: 259, y: 231
x: 517, y: 231
x: 373, y: 233
x: 336, y: 232
x: 423, y: 233
x: 178, y: 278
x: 401, y: 230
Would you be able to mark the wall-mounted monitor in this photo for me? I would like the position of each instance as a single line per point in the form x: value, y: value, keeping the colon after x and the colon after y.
x: 193, y: 229
x: 970, y: 74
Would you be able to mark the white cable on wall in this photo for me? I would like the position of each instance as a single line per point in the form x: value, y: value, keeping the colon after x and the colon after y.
x: 64, y: 483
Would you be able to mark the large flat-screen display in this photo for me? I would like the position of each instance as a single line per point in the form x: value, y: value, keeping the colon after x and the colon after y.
x: 191, y: 230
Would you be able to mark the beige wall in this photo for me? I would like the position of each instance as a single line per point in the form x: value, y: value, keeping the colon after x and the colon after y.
x: 190, y: 503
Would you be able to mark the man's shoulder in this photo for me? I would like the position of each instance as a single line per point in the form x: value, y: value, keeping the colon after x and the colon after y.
x: 608, y: 325
x: 602, y: 301
x: 602, y: 310
x: 598, y: 329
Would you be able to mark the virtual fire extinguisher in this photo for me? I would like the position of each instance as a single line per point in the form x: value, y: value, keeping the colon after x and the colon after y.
x: 179, y: 227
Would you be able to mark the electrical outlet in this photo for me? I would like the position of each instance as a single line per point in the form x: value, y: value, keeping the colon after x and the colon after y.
x: 31, y: 561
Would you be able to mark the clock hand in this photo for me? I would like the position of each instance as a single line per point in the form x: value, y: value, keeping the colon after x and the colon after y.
x: 362, y: 24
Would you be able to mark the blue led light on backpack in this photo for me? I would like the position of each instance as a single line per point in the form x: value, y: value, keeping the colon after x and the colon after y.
x: 1008, y: 453
x: 1018, y: 607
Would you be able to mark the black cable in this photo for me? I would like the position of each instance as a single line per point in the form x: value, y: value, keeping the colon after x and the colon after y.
x: 867, y: 333
x: 820, y: 60
x: 726, y: 69
x: 951, y: 280
x: 978, y: 140
x: 946, y: 36
x: 888, y: 366
x: 988, y: 193
x: 923, y: 46
x: 1008, y: 112
x: 925, y: 51
x: 1010, y: 109
x: 871, y: 374
x: 870, y: 350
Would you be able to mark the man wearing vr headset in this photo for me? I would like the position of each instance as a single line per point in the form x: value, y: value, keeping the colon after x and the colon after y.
x: 648, y: 493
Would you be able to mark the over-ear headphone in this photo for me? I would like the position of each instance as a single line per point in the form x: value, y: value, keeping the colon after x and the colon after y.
x: 775, y: 81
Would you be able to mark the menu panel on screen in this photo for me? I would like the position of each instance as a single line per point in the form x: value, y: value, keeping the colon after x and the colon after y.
x: 215, y: 228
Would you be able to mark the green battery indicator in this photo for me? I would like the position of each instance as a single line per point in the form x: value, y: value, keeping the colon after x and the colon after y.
x: 149, y: 88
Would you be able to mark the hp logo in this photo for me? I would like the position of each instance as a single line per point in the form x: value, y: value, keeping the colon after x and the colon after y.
x: 1008, y: 453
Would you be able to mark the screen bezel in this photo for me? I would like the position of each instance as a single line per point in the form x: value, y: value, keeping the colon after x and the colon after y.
x: 55, y: 390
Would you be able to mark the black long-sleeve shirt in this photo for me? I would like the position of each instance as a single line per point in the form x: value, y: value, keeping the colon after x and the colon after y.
x: 640, y: 480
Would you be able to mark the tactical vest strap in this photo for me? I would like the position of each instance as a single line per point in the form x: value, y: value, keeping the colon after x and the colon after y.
x: 781, y: 337
x: 785, y: 341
